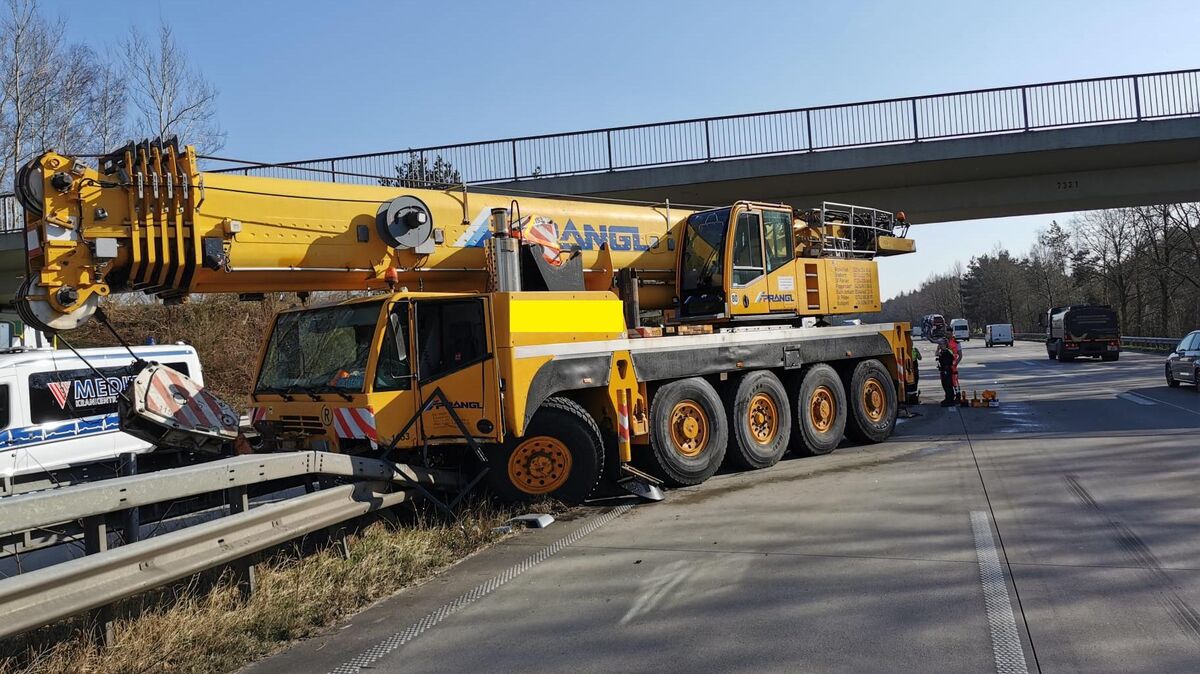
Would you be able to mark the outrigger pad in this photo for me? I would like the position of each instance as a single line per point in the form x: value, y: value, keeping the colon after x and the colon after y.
x: 170, y: 410
x: 538, y: 274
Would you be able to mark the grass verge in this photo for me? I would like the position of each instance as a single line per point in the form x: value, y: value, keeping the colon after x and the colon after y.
x: 206, y: 626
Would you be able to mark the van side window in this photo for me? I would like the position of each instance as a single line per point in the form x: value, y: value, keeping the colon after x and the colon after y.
x: 5, y: 415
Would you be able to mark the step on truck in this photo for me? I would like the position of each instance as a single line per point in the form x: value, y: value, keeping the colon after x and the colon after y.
x: 556, y: 342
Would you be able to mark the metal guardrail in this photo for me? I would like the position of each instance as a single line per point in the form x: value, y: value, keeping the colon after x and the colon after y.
x: 1130, y: 341
x: 980, y: 112
x: 45, y: 595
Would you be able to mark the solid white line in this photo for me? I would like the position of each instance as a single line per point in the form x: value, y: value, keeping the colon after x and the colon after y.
x: 1136, y: 398
x: 1006, y: 642
x: 369, y: 657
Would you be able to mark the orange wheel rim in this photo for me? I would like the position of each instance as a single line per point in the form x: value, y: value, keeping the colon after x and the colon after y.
x: 689, y: 428
x: 762, y: 418
x: 822, y: 409
x: 874, y: 400
x: 539, y: 465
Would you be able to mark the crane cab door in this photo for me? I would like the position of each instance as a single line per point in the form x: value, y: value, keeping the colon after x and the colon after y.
x: 762, y: 263
x: 780, y: 259
x: 454, y: 353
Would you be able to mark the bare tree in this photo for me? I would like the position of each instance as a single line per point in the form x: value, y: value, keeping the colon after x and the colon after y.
x: 27, y: 69
x: 171, y: 97
x: 107, y: 111
x: 1112, y: 240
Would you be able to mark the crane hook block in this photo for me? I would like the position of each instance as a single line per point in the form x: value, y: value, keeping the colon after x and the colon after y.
x: 405, y: 222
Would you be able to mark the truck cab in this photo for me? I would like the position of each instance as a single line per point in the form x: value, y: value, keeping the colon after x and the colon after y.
x: 1082, y: 330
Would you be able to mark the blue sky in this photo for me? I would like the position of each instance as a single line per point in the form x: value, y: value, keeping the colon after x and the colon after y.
x: 309, y: 78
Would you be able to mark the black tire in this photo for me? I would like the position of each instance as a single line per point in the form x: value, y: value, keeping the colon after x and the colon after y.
x: 1050, y: 351
x: 872, y: 400
x: 812, y: 439
x: 760, y: 421
x: 687, y: 452
x: 1196, y: 380
x: 1110, y: 356
x: 561, y: 436
x: 1062, y: 355
x: 1171, y: 381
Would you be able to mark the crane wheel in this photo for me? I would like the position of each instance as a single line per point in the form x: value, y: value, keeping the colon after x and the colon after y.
x: 760, y: 422
x: 688, y: 432
x: 820, y: 412
x: 561, y: 456
x: 873, y: 402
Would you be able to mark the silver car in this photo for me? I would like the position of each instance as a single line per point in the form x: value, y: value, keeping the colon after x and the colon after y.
x: 1183, y: 365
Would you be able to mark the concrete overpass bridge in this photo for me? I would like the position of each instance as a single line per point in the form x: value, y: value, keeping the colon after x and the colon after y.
x: 1039, y: 148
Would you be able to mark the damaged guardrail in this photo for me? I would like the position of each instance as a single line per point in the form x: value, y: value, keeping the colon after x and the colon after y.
x: 103, y: 576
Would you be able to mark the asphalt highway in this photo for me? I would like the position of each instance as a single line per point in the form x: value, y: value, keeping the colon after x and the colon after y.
x: 1059, y: 532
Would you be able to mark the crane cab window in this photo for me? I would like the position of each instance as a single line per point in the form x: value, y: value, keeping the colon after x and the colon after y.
x: 394, y: 371
x: 777, y: 230
x: 451, y: 334
x: 747, y: 249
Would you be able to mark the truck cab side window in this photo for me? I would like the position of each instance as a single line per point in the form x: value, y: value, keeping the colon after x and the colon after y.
x: 747, y: 249
x: 450, y: 335
x: 394, y: 371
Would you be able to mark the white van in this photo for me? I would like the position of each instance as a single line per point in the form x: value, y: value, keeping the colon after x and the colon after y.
x: 962, y: 331
x: 56, y: 411
x: 998, y: 333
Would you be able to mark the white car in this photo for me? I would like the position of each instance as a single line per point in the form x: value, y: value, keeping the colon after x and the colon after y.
x: 57, y: 412
x: 998, y: 333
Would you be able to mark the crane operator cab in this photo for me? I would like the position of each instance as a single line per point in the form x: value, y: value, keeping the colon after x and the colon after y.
x: 769, y: 261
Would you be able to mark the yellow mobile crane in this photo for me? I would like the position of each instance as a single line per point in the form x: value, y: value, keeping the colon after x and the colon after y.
x: 506, y: 324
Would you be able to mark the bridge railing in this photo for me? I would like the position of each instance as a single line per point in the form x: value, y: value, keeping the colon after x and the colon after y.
x: 980, y: 112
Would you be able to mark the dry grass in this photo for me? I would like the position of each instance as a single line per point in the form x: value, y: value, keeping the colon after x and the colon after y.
x: 198, y: 630
x: 226, y: 333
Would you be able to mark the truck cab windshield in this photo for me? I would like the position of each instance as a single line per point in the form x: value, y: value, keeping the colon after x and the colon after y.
x: 322, y: 349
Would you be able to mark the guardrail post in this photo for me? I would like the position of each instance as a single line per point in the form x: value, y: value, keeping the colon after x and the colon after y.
x: 916, y: 132
x: 1137, y: 98
x: 1025, y: 108
x: 243, y: 569
x: 95, y: 540
x: 131, y: 521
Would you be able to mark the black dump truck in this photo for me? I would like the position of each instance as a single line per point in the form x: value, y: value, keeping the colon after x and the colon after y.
x: 1082, y: 330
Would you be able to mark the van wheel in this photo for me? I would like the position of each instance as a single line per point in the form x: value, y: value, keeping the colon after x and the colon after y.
x: 688, y: 432
x: 561, y: 456
x: 760, y: 422
x: 872, y: 402
x: 820, y: 411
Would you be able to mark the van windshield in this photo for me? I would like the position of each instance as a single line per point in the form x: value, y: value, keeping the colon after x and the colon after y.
x: 322, y: 349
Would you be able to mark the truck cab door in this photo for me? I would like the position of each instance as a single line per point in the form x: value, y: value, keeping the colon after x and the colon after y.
x: 781, y: 260
x: 454, y: 349
x: 394, y: 389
